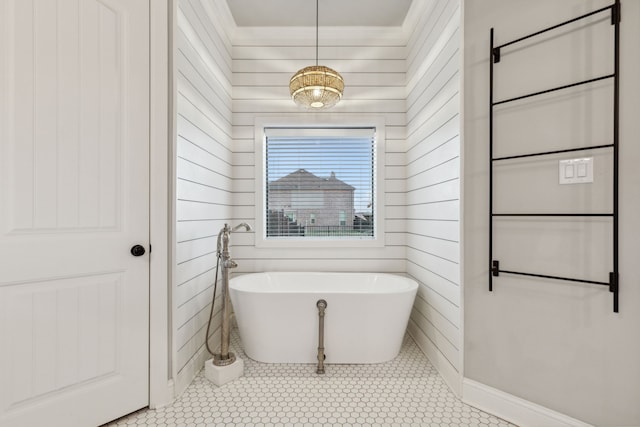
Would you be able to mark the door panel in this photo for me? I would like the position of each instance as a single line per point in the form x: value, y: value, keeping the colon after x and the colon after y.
x: 68, y: 123
x: 64, y: 333
x: 74, y: 197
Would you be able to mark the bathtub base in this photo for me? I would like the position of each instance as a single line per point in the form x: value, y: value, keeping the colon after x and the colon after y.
x: 365, y: 318
x: 220, y: 375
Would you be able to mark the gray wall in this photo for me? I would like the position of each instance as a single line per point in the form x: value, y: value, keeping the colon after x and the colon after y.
x: 203, y: 178
x: 557, y: 344
x: 433, y: 186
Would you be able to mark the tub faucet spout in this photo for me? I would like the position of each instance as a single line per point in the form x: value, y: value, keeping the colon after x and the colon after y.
x: 244, y: 225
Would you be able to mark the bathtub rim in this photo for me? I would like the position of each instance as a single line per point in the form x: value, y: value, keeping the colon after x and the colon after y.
x: 408, y: 283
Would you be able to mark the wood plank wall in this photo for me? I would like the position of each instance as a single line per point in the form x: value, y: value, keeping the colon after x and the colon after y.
x: 414, y: 86
x: 433, y: 186
x: 374, y: 72
x: 204, y: 172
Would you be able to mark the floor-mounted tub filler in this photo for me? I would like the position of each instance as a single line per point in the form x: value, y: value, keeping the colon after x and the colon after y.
x: 365, y: 316
x: 224, y: 366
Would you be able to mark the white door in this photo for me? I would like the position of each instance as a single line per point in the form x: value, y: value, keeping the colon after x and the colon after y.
x: 74, y: 183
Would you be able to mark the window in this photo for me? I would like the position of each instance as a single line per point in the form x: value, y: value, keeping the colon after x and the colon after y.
x: 319, y: 184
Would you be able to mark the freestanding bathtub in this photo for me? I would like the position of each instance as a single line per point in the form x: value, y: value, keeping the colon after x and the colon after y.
x: 365, y: 318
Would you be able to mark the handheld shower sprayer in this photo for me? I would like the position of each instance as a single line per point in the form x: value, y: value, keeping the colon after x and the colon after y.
x: 246, y: 226
x: 225, y: 231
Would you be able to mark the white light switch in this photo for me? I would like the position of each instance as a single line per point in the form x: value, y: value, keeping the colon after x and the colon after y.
x: 582, y: 170
x: 576, y: 171
x: 568, y: 171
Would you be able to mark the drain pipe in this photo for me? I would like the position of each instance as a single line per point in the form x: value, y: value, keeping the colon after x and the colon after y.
x: 322, y: 305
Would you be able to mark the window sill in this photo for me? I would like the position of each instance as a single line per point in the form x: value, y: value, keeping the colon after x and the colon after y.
x: 316, y: 243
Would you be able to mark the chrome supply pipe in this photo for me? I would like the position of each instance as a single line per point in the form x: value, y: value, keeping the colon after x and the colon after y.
x: 225, y: 357
x: 322, y: 305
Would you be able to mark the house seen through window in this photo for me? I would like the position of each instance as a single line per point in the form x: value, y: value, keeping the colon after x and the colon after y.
x: 320, y: 183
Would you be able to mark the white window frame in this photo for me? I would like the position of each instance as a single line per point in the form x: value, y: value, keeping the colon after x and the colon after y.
x: 315, y: 121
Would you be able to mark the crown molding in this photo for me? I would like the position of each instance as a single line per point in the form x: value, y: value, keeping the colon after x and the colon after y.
x: 220, y: 14
x: 328, y: 36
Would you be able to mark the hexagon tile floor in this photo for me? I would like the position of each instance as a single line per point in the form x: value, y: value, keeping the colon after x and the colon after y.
x: 404, y: 392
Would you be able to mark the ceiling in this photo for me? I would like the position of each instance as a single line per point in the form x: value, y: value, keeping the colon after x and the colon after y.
x: 295, y: 13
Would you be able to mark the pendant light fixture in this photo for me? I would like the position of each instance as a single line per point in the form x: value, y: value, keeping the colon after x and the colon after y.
x: 316, y: 87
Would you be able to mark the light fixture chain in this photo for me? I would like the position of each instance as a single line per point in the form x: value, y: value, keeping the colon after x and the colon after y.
x: 316, y: 87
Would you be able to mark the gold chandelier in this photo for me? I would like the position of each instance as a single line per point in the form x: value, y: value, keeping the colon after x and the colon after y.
x: 316, y: 86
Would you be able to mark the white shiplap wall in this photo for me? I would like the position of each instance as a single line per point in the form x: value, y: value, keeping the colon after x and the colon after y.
x: 422, y: 171
x: 203, y: 178
x: 373, y: 67
x: 433, y: 186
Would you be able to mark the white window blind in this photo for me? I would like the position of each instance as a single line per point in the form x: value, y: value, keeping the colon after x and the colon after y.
x: 319, y: 183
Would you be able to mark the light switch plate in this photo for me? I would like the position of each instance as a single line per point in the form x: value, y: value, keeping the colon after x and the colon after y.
x: 576, y: 171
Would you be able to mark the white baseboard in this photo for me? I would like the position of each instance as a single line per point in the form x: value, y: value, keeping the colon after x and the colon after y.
x: 514, y: 409
x: 448, y: 373
x: 162, y: 397
x: 188, y: 373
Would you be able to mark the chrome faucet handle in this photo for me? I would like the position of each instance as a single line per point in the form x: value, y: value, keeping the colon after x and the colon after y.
x: 229, y: 263
x: 224, y: 230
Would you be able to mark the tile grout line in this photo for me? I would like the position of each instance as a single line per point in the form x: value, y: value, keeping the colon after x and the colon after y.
x: 406, y: 391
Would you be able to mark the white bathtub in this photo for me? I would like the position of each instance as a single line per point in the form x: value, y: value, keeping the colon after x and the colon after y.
x: 365, y: 318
